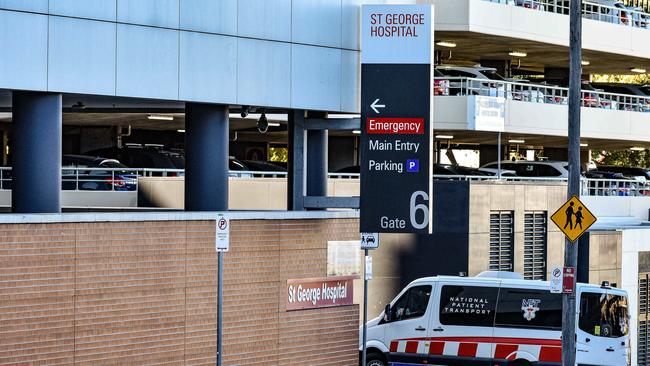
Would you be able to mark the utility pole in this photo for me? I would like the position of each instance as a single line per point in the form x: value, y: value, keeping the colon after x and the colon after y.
x: 571, y: 249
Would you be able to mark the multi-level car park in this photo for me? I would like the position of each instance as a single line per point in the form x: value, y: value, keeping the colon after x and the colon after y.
x: 500, y: 61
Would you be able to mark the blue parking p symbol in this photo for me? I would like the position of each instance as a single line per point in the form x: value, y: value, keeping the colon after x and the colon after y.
x: 412, y: 165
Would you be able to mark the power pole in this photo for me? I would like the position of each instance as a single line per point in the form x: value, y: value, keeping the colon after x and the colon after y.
x: 571, y: 249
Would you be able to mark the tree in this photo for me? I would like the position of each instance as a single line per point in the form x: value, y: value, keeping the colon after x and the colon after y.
x: 622, y: 158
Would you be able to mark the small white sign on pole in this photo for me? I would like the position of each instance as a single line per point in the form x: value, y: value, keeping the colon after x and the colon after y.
x: 369, y: 240
x: 556, y: 280
x: 368, y: 267
x: 223, y: 234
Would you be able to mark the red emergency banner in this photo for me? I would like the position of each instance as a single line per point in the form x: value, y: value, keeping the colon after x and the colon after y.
x: 314, y: 293
x: 395, y: 126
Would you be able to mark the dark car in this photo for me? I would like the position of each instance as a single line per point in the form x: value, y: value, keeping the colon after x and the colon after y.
x: 636, y: 173
x: 81, y: 172
x: 607, y: 183
x: 143, y: 157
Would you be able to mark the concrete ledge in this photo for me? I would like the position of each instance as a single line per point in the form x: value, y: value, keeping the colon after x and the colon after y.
x: 175, y: 216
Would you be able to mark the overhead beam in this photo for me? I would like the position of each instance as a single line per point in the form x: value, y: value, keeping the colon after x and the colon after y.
x: 330, y: 202
x: 333, y: 124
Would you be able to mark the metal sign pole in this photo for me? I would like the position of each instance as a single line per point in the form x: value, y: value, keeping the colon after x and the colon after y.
x: 219, y: 306
x: 571, y: 249
x: 365, y: 310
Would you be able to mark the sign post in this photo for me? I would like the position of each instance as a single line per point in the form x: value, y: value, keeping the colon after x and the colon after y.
x: 396, y: 117
x: 368, y: 241
x: 222, y: 245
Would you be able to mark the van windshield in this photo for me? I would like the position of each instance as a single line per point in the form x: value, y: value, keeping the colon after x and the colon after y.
x: 604, y: 315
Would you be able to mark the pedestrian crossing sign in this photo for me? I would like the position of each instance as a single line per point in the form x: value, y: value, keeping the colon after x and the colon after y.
x: 573, y: 218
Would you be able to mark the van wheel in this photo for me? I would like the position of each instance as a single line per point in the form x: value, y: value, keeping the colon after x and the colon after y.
x: 375, y: 359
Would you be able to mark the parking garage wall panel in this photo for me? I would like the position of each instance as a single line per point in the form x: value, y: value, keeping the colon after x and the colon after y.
x: 148, y: 49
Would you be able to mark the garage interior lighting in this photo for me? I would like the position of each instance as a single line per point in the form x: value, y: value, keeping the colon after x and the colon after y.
x: 274, y: 124
x: 357, y: 132
x: 638, y: 70
x: 637, y: 148
x: 585, y: 63
x: 517, y: 141
x: 446, y: 44
x: 445, y: 137
x: 181, y: 131
x: 518, y: 54
x: 583, y: 144
x: 161, y: 117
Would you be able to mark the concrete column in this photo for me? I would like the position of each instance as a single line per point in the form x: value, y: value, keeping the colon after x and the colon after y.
x: 36, y: 154
x: 296, y: 165
x: 317, y: 163
x: 206, y: 157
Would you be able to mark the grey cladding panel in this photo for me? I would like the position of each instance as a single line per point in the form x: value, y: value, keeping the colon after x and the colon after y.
x: 214, y: 16
x: 82, y: 56
x: 147, y: 62
x: 159, y: 13
x: 267, y: 19
x: 23, y: 55
x: 91, y: 9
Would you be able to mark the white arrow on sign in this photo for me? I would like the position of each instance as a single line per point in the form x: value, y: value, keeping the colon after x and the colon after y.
x: 374, y: 106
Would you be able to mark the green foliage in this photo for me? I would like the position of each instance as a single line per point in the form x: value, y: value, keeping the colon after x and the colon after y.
x: 279, y: 154
x: 622, y: 158
x: 627, y: 79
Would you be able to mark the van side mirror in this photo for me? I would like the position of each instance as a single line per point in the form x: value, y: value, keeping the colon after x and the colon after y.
x: 387, y: 315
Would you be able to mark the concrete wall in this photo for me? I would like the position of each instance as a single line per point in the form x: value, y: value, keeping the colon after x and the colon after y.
x: 282, y: 53
x: 244, y: 193
x: 486, y: 197
x: 517, y: 22
x: 621, y: 206
x: 132, y: 292
x: 453, y: 113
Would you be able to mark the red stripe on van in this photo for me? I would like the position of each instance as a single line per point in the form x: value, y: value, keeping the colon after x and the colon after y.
x: 412, y: 347
x: 502, y: 340
x: 467, y: 349
x: 550, y: 354
x: 393, y: 346
x: 436, y: 348
x: 502, y: 351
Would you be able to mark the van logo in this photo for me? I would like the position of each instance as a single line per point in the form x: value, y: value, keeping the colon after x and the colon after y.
x: 530, y: 307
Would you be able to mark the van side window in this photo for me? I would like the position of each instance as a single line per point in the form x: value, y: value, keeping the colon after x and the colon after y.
x: 468, y: 305
x: 526, y: 308
x: 413, y: 304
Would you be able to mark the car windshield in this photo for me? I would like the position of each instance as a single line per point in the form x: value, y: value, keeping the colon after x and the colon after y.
x: 604, y: 315
x: 645, y: 89
x: 492, y: 74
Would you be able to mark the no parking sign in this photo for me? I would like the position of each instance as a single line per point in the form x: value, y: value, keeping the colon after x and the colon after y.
x: 223, y: 234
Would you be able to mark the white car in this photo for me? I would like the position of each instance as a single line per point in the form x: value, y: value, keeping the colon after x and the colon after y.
x: 496, y: 318
x: 534, y: 169
x: 482, y: 80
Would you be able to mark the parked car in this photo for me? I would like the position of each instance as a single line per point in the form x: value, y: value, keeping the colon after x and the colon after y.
x: 138, y: 157
x: 636, y: 173
x: 639, y: 105
x: 611, y: 11
x: 117, y: 177
x: 440, y: 87
x: 474, y: 87
x: 541, y: 169
x: 606, y: 183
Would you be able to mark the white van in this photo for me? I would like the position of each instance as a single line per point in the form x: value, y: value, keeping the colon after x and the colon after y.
x: 496, y: 318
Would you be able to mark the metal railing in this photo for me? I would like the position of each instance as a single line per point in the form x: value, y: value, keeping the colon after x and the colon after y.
x: 544, y: 93
x: 122, y: 180
x: 126, y: 179
x: 632, y: 17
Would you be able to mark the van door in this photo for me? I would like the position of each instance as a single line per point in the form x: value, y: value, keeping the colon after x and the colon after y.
x: 528, y: 325
x: 603, y: 328
x: 462, y: 323
x: 407, y: 331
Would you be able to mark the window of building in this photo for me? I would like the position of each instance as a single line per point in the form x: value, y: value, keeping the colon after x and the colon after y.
x: 501, y: 241
x: 468, y: 305
x: 526, y: 308
x: 535, y: 244
x: 412, y: 304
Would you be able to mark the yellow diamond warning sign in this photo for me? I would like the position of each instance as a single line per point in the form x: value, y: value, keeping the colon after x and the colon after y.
x: 573, y: 218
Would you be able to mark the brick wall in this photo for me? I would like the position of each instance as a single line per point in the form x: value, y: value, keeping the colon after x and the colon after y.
x: 135, y: 293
